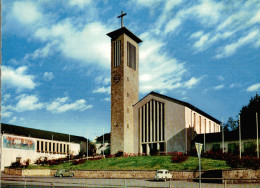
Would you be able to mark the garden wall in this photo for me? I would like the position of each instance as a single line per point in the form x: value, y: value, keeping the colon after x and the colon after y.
x: 241, y: 176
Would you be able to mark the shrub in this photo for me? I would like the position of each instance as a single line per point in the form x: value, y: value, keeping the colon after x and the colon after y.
x: 179, y: 158
x: 78, y: 161
x: 119, y: 154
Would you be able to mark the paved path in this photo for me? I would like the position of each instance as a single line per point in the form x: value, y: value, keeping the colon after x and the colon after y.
x: 18, y: 181
x: 76, y: 182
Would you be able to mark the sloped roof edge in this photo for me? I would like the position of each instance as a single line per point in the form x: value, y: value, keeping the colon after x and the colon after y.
x: 115, y: 34
x: 41, y: 134
x: 181, y: 103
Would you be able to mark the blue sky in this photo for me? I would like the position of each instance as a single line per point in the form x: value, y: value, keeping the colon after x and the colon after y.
x: 56, y: 58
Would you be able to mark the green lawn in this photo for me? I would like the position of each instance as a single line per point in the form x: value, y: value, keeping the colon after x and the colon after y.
x: 142, y: 163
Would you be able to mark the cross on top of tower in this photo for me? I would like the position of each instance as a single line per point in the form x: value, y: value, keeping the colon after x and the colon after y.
x: 121, y: 16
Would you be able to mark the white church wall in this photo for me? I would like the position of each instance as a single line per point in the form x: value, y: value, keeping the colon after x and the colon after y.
x: 175, y: 135
x: 25, y: 148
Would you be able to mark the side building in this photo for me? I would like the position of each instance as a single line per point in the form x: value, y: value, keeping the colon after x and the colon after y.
x: 165, y: 124
x: 21, y: 144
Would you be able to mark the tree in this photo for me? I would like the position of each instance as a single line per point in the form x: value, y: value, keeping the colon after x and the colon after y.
x: 91, y: 148
x: 248, y: 116
x: 231, y: 125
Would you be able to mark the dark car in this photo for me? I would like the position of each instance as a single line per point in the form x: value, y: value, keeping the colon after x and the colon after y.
x: 63, y: 173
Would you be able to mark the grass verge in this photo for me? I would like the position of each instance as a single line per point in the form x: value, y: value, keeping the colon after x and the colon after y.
x: 142, y: 163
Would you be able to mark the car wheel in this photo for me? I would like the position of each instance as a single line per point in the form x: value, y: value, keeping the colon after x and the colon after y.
x: 61, y: 175
x: 72, y: 175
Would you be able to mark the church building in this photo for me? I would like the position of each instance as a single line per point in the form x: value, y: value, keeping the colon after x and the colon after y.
x: 156, y: 123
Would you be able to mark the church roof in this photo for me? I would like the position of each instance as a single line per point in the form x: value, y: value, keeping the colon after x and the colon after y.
x: 115, y: 34
x: 36, y: 133
x: 182, y: 103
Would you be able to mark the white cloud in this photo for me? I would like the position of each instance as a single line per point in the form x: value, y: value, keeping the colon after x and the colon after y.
x: 107, y: 99
x: 221, y: 78
x: 60, y: 105
x: 48, y: 76
x: 147, y: 3
x: 234, y: 85
x: 230, y: 49
x: 254, y: 87
x: 28, y: 103
x: 218, y: 87
x: 6, y: 97
x: 158, y: 71
x: 13, y: 120
x: 192, y: 82
x: 17, y: 78
x: 200, y: 44
x: 166, y: 14
x: 26, y: 12
x: 197, y: 34
x: 103, y: 90
x: 44, y: 52
x: 5, y: 113
x: 80, y: 3
x: 172, y: 25
x: 84, y: 44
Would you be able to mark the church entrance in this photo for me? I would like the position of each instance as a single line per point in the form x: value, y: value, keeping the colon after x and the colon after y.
x: 153, y: 149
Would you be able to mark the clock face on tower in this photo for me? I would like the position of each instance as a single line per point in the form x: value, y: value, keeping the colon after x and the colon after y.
x: 116, y: 78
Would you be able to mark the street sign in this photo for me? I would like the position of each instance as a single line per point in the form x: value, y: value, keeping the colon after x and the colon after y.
x: 198, y: 148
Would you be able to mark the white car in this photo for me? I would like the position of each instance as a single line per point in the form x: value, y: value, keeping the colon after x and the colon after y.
x: 163, y: 175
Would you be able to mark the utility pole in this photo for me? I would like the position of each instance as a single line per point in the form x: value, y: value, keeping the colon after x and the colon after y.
x: 257, y: 142
x: 87, y: 146
x: 239, y: 137
x: 199, y: 148
x: 103, y: 141
x: 223, y: 149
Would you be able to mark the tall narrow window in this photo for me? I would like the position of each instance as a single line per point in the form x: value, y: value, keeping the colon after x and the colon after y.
x: 194, y: 121
x: 38, y: 145
x: 200, y: 123
x: 131, y: 56
x: 117, y: 53
x: 152, y: 121
x: 50, y: 147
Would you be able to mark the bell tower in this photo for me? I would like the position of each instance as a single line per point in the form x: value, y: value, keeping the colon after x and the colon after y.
x: 124, y: 86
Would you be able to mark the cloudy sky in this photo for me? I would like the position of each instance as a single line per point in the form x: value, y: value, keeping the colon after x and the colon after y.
x: 56, y: 58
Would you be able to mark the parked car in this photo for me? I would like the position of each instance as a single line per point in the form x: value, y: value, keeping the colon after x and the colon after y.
x: 63, y: 173
x: 163, y: 175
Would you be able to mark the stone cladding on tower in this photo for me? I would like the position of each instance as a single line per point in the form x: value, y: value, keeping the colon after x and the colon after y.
x: 124, y: 88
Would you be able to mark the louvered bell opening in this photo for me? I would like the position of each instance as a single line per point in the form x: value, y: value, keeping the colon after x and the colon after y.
x: 131, y: 56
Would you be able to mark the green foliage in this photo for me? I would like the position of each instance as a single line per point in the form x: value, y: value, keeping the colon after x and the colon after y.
x: 91, y: 148
x: 248, y: 116
x: 142, y: 163
x: 231, y: 125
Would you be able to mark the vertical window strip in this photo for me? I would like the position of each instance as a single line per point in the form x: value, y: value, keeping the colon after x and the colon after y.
x: 117, y: 53
x: 157, y: 121
x: 160, y: 138
x: 152, y: 120
x: 145, y: 126
x: 146, y: 114
x: 131, y: 56
x: 149, y: 125
x: 115, y: 59
x: 163, y: 122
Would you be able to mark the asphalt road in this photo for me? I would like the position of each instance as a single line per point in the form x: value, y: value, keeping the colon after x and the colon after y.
x: 18, y: 181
